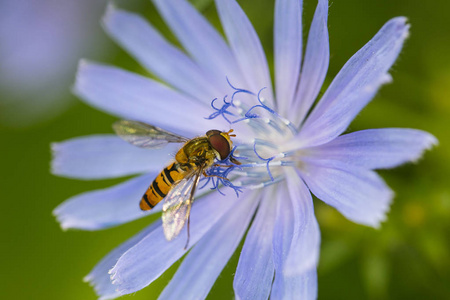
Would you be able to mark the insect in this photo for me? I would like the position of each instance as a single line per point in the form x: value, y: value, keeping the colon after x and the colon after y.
x: 177, y: 182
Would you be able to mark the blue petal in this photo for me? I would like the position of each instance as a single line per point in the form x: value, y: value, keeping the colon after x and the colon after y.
x: 377, y: 148
x: 296, y: 240
x: 148, y: 259
x: 360, y: 195
x: 288, y: 52
x: 355, y: 85
x: 305, y: 245
x: 255, y: 270
x: 99, y: 277
x: 107, y: 207
x: 315, y: 65
x: 134, y: 97
x: 201, y: 40
x: 302, y: 286
x: 246, y: 46
x: 285, y: 225
x: 106, y: 156
x: 203, y: 264
x: 157, y: 55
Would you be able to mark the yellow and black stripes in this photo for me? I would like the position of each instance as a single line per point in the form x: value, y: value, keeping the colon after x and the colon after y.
x: 167, y: 176
x: 161, y: 186
x: 146, y: 205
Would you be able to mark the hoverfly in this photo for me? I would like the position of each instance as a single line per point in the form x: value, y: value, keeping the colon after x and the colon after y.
x: 177, y: 182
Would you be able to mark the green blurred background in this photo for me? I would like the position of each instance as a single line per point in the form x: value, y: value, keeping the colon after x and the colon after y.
x: 408, y: 258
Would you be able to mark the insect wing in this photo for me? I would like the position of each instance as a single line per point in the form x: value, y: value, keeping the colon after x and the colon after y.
x: 177, y: 205
x: 144, y: 135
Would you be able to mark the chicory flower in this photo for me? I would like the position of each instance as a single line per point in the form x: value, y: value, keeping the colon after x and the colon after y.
x: 288, y: 148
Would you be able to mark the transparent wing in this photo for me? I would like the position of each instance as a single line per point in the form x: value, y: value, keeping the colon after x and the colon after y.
x: 177, y: 205
x: 145, y: 135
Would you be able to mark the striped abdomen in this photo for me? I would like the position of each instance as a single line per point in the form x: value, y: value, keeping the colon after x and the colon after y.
x: 161, y: 186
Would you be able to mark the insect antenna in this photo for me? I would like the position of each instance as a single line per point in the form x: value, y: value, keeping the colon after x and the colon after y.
x: 230, y: 131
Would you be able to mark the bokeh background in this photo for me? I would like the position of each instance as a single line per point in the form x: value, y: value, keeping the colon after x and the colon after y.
x: 40, y: 44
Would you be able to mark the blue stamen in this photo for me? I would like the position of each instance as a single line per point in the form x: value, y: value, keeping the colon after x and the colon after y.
x: 244, y: 111
x: 219, y: 175
x: 262, y: 104
x: 207, y: 180
x: 212, y: 104
x: 267, y: 160
x: 237, y: 90
x: 222, y: 111
x: 248, y: 114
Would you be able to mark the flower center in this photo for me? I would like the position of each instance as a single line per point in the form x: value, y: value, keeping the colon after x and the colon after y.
x: 261, y: 152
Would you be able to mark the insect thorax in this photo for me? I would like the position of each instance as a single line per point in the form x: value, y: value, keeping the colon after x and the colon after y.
x: 196, y: 152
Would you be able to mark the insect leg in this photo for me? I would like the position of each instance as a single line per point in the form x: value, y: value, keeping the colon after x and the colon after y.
x: 191, y: 200
x: 223, y: 166
x: 188, y: 231
x: 223, y: 178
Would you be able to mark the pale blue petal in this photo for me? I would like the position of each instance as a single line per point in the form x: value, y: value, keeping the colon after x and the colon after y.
x: 287, y: 52
x: 302, y: 286
x: 315, y: 64
x: 106, y: 156
x: 134, y: 97
x: 255, y: 270
x: 360, y: 195
x: 355, y: 85
x: 305, y: 245
x: 156, y: 54
x: 148, y: 259
x: 201, y: 40
x: 104, y: 208
x: 201, y: 267
x: 296, y: 239
x: 376, y: 148
x: 285, y: 224
x: 246, y: 47
x: 99, y: 277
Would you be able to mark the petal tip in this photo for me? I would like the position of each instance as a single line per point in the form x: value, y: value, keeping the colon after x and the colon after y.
x: 109, y: 12
x: 67, y: 221
x: 381, y: 217
x: 113, y: 274
x: 88, y: 279
x: 55, y: 149
x: 400, y: 21
x: 64, y: 222
x: 384, y: 79
x: 65, y: 226
x: 83, y: 65
x: 402, y: 26
x: 116, y: 280
x: 57, y: 211
x: 431, y: 141
x: 428, y: 142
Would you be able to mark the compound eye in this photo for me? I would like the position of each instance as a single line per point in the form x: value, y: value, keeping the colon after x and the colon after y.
x: 220, y: 144
x: 211, y: 132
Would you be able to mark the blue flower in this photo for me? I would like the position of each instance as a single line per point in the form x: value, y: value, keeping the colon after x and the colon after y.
x: 288, y: 148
